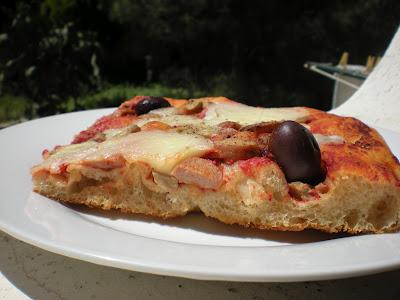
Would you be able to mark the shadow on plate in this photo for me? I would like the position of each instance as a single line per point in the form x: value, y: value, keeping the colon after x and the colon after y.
x: 198, y: 222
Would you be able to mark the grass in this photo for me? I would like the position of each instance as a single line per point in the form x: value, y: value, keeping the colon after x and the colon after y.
x: 13, y: 108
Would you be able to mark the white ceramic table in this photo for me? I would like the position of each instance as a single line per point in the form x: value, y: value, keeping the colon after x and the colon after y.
x: 29, y: 272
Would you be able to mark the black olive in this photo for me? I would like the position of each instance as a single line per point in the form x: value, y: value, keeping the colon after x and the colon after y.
x: 297, y: 152
x: 149, y: 103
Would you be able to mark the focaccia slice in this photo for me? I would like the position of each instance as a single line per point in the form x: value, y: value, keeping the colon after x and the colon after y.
x: 214, y: 155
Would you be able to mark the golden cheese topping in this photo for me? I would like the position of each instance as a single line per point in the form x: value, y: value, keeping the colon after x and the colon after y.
x: 217, y: 113
x: 65, y: 155
x: 161, y: 150
x: 328, y: 139
x: 172, y: 120
x: 247, y: 115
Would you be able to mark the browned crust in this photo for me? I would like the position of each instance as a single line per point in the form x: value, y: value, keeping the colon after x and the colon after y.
x: 124, y: 210
x: 225, y: 219
x: 365, y: 152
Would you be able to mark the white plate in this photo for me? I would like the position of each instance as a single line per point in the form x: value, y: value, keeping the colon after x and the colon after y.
x: 191, y: 246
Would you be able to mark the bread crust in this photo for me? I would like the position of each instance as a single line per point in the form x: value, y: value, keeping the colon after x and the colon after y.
x: 361, y: 192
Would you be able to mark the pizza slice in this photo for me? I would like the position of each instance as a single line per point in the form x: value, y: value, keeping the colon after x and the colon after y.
x: 269, y: 168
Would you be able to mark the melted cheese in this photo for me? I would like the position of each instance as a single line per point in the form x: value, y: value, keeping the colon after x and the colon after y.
x: 246, y: 115
x: 172, y: 120
x: 328, y: 139
x: 220, y: 112
x: 65, y: 155
x: 161, y: 150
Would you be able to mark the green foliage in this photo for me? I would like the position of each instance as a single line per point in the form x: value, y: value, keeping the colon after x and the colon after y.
x: 61, y: 53
x: 55, y: 8
x: 14, y: 108
x: 48, y: 59
x: 115, y: 95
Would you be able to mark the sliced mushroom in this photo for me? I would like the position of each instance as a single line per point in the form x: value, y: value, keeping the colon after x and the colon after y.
x: 229, y: 124
x: 133, y: 128
x: 164, y: 181
x: 99, y: 137
x: 191, y: 107
x: 263, y: 127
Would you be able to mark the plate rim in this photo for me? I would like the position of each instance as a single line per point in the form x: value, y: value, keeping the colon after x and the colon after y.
x: 373, y: 268
x: 101, y: 259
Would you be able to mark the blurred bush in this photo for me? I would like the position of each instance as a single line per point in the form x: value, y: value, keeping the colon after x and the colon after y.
x: 13, y: 108
x: 47, y: 57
